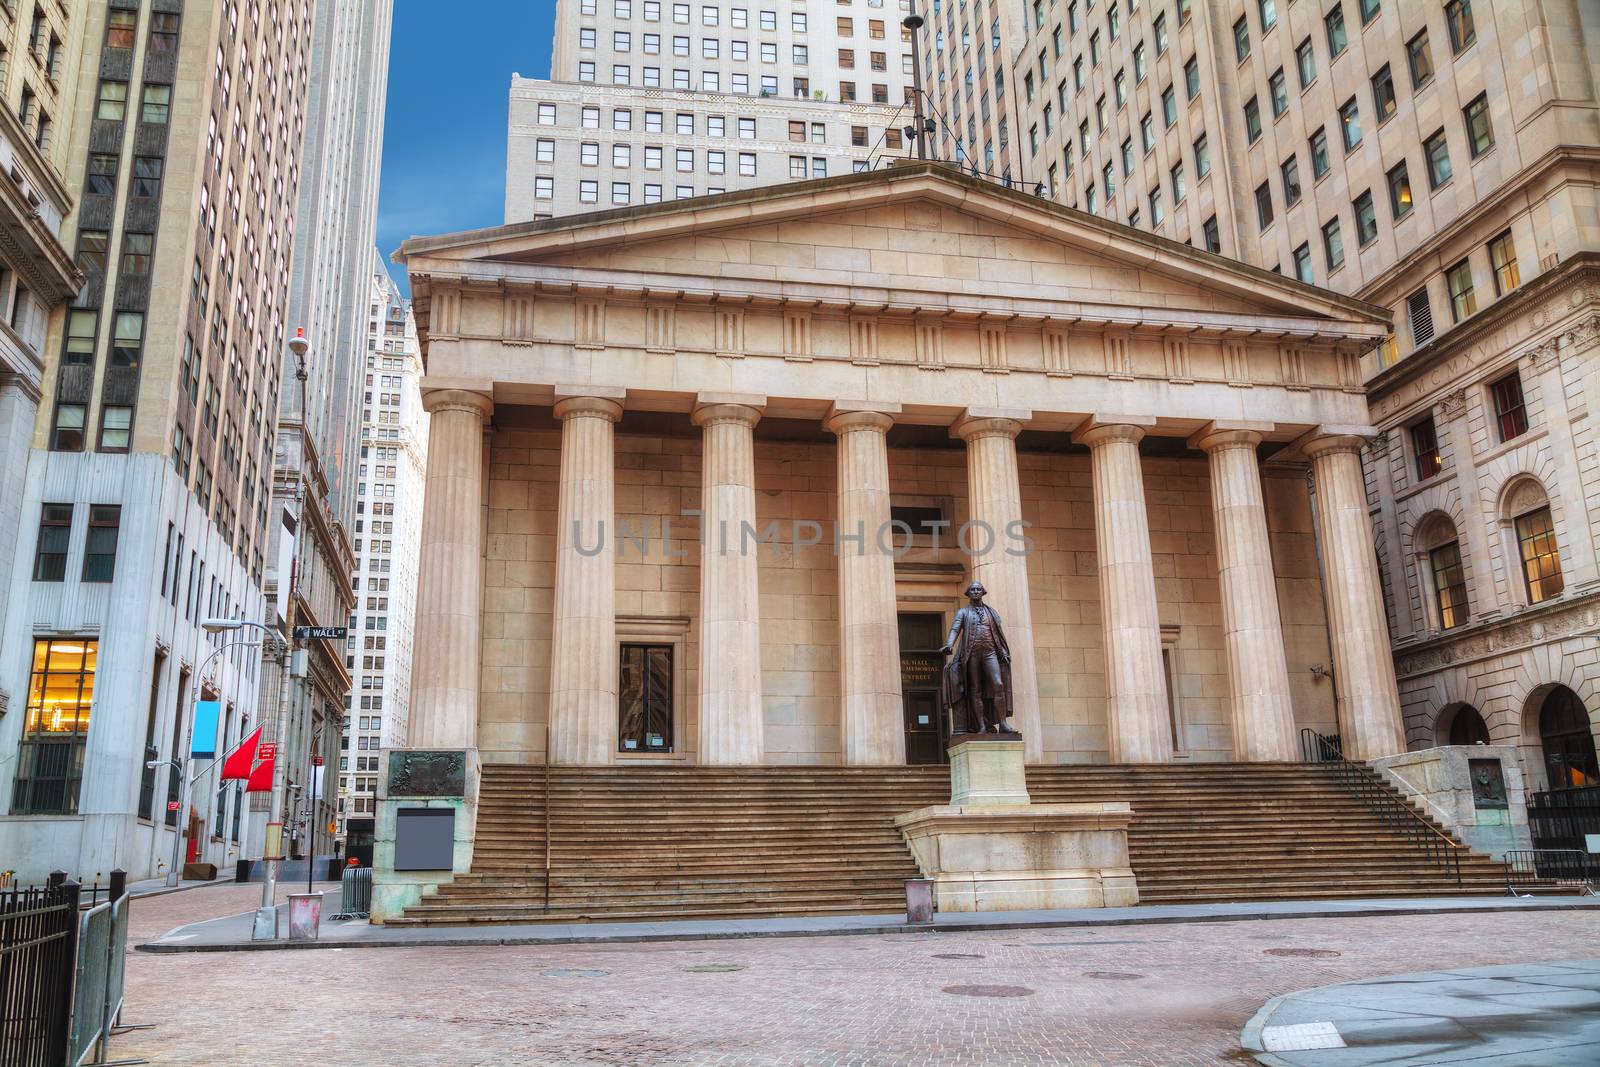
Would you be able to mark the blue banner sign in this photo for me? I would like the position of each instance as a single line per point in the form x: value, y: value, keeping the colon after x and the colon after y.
x: 206, y: 716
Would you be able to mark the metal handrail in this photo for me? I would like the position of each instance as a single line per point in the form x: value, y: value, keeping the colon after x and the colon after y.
x: 1396, y: 812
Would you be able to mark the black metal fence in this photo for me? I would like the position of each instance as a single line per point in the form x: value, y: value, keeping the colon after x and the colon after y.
x: 1528, y: 870
x: 1396, y: 812
x: 38, y: 960
x: 1564, y: 818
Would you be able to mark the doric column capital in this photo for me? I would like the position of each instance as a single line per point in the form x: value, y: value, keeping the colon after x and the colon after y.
x: 592, y: 407
x: 1105, y: 429
x: 470, y: 401
x: 1325, y: 440
x: 1216, y: 436
x: 713, y: 414
x: 843, y: 422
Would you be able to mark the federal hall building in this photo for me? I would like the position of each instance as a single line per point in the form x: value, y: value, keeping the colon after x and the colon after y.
x: 707, y: 480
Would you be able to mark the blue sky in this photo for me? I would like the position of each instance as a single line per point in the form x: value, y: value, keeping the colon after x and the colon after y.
x: 444, y: 150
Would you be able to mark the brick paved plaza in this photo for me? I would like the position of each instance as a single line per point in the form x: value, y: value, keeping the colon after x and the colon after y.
x: 1150, y: 994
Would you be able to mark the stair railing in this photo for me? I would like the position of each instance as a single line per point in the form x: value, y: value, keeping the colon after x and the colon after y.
x: 546, y: 816
x: 1396, y: 812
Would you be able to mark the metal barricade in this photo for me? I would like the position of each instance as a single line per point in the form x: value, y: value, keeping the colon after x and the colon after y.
x: 1549, y: 868
x: 355, y: 893
x: 102, y: 937
x: 38, y: 943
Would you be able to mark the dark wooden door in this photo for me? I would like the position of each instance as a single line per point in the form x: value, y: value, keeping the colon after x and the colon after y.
x: 921, y: 667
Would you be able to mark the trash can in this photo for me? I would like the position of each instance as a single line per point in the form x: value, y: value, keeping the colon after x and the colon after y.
x: 919, y: 900
x: 305, y: 916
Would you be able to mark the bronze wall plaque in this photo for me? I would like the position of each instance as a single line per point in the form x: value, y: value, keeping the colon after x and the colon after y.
x: 1488, y: 783
x: 427, y: 774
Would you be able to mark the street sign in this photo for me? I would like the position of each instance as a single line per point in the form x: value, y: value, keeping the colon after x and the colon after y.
x: 173, y: 805
x: 266, y: 751
x: 316, y: 761
x: 320, y: 633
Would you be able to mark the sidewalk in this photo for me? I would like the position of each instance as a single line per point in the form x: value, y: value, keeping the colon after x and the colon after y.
x: 1527, y: 1015
x: 232, y: 932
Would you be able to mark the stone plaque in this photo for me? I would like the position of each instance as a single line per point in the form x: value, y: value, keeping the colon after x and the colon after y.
x: 1488, y: 783
x: 427, y: 774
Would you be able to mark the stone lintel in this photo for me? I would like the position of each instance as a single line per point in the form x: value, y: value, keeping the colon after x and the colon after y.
x: 749, y: 400
x: 430, y: 382
x: 850, y: 407
x: 603, y: 392
x: 1219, y: 430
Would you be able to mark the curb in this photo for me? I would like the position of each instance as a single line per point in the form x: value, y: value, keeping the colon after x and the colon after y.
x: 489, y: 939
x: 1250, y: 1036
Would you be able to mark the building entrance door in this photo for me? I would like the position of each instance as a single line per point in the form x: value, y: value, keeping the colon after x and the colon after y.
x: 921, y: 671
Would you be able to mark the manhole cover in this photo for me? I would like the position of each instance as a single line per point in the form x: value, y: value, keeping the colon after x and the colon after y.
x: 714, y: 968
x: 562, y: 972
x: 1313, y: 953
x: 988, y: 990
x: 956, y: 956
x: 1113, y: 976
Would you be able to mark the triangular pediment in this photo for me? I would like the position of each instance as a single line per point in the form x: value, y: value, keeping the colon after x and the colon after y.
x: 917, y: 231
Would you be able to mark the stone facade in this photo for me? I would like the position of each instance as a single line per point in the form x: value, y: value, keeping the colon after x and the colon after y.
x: 712, y: 377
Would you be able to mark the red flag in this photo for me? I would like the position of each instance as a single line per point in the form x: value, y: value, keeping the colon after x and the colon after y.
x: 237, y: 765
x: 261, y: 778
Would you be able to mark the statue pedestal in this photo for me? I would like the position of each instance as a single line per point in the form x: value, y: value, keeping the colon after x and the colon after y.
x: 992, y: 849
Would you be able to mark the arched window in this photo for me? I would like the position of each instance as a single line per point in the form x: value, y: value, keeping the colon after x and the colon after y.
x: 1439, y: 554
x: 1568, y: 741
x: 1467, y: 727
x: 1525, y: 512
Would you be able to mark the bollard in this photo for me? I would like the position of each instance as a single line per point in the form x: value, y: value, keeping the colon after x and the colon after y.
x: 919, y: 900
x: 305, y: 916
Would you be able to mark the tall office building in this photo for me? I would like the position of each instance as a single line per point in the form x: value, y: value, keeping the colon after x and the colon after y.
x: 144, y: 507
x: 37, y: 275
x: 652, y: 100
x: 1435, y: 158
x: 388, y: 535
x: 314, y: 487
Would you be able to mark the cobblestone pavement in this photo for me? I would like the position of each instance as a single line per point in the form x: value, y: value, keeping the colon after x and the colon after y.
x: 1155, y: 995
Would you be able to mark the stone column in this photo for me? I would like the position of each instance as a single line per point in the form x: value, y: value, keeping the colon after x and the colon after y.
x: 444, y: 672
x: 1370, y: 723
x: 870, y: 709
x: 999, y: 557
x: 730, y: 612
x: 1138, y: 719
x: 583, y: 652
x: 1262, y: 711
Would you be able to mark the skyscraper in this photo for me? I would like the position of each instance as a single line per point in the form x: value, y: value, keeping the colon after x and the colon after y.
x: 652, y: 100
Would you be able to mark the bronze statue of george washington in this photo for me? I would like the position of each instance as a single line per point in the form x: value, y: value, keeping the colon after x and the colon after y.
x: 977, y: 681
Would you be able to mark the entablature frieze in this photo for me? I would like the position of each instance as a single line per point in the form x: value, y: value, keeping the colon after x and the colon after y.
x: 1501, y: 636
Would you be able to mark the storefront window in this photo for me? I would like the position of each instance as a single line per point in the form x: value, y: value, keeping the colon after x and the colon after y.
x: 56, y: 726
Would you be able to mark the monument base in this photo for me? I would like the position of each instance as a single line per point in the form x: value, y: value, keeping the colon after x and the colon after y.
x: 425, y: 824
x: 991, y: 849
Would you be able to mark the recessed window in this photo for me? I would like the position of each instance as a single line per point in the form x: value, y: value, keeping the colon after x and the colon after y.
x: 1383, y: 98
x: 1503, y: 261
x: 156, y: 104
x: 1241, y: 39
x: 1202, y: 156
x: 1169, y: 107
x: 1369, y: 10
x: 1319, y: 153
x: 1449, y: 584
x: 1212, y: 235
x: 1463, y: 302
x: 1366, y: 218
x: 1419, y: 59
x: 78, y: 348
x: 1350, y: 123
x: 1278, y: 86
x: 644, y: 698
x: 50, y: 553
x: 1425, y: 449
x: 1289, y: 170
x: 101, y: 177
x: 1252, y: 120
x: 136, y: 252
x: 146, y: 176
x: 1305, y: 61
x: 116, y: 426
x: 1420, y: 310
x: 1437, y: 153
x: 1338, y: 37
x: 112, y: 103
x: 1400, y: 202
x: 1458, y: 17
x: 1263, y: 205
x: 1510, y: 411
x: 1302, y: 264
x: 100, y: 547
x: 1332, y: 245
x: 1191, y: 77
x: 120, y: 27
x: 1480, y: 133
x: 1541, y: 562
x: 55, y: 729
x: 66, y: 435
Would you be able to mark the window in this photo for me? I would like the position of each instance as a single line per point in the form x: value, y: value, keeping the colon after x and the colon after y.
x: 1147, y: 132
x: 1366, y: 219
x: 101, y: 177
x: 1458, y: 17
x: 588, y: 191
x: 1169, y: 107
x: 1541, y: 562
x: 544, y: 188
x: 1437, y: 154
x: 156, y: 104
x: 1503, y: 263
x: 1305, y: 61
x: 1212, y: 235
x: 547, y: 114
x: 545, y: 150
x: 1332, y: 245
x: 50, y: 554
x: 1420, y: 311
x: 1264, y: 205
x: 1202, y: 156
x: 652, y: 157
x: 67, y: 433
x: 620, y: 155
x: 1268, y: 10
x: 1290, y: 173
x: 100, y: 548
x: 1191, y: 77
x: 1419, y: 59
x: 1333, y: 22
x: 55, y: 727
x: 112, y: 104
x: 589, y: 154
x: 1319, y: 153
x: 127, y: 339
x: 1425, y: 449
x: 1480, y: 135
x: 1383, y: 98
x: 589, y: 118
x: 1399, y: 191
x: 78, y: 349
x: 1252, y: 120
x: 1180, y: 188
x: 1302, y: 264
x: 747, y: 164
x: 1449, y: 585
x: 620, y: 192
x: 1350, y: 123
x: 119, y: 28
x: 1241, y: 39
x: 1158, y: 210
x: 1369, y: 10
x: 136, y: 249
x: 1161, y: 33
x: 644, y: 698
x: 684, y: 160
x: 1510, y: 412
x: 116, y: 425
x: 146, y: 176
x: 1458, y: 280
